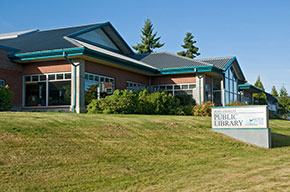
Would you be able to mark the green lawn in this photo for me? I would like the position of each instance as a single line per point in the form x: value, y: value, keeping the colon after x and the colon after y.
x: 71, y: 152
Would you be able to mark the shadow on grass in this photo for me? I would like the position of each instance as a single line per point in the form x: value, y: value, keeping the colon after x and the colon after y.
x: 279, y: 140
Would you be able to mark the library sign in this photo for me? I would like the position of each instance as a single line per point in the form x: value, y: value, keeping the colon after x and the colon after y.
x: 240, y: 117
x: 246, y: 123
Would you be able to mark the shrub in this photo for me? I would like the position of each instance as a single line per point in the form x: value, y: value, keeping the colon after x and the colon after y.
x: 142, y: 102
x: 5, y: 98
x: 91, y: 93
x: 204, y: 109
x: 237, y: 104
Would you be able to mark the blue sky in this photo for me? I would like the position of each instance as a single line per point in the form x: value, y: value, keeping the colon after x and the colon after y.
x: 257, y: 32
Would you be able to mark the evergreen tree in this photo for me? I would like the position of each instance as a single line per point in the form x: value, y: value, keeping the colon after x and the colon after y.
x: 260, y: 98
x: 191, y: 50
x: 274, y: 91
x: 284, y: 100
x: 149, y: 40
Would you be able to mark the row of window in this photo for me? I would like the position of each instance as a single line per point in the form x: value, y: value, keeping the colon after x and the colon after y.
x: 133, y: 86
x: 49, y: 77
x: 47, y: 89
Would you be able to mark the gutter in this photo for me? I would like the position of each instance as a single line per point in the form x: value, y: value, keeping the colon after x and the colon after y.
x: 74, y: 80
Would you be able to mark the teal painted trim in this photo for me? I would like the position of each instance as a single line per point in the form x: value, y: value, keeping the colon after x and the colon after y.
x: 240, y: 128
x: 239, y: 106
x: 120, y: 37
x: 45, y: 57
x: 123, y: 63
x: 73, y: 35
x: 177, y: 70
x: 229, y: 63
x: 251, y: 87
x: 88, y: 29
x: 77, y: 49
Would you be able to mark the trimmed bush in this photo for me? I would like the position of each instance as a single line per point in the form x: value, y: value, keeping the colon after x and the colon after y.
x: 5, y: 98
x: 204, y: 109
x: 142, y: 102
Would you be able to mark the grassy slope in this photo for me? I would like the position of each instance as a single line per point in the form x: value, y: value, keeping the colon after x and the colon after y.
x: 70, y: 152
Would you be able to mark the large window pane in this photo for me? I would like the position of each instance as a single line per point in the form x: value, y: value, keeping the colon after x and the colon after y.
x: 35, y: 94
x: 59, y: 93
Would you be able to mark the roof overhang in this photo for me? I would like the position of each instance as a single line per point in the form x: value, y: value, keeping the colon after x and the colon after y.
x: 250, y: 88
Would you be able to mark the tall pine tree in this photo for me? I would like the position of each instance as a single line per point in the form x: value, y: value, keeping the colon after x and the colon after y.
x: 284, y: 100
x: 149, y: 40
x: 191, y: 50
x: 274, y: 91
x: 260, y: 98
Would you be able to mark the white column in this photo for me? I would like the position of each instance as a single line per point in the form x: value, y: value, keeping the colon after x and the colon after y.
x: 80, y: 85
x: 200, y: 88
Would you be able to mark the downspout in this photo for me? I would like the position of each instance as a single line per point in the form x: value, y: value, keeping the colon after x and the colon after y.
x: 74, y: 80
x: 199, y: 90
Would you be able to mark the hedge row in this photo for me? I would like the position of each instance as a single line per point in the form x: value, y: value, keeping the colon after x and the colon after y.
x: 143, y: 102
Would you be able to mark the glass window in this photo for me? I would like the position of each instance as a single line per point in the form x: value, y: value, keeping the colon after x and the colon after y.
x: 2, y: 83
x: 42, y: 77
x: 27, y: 78
x: 91, y: 77
x: 98, y: 36
x: 192, y: 86
x: 176, y: 87
x: 67, y: 76
x: 59, y: 76
x: 169, y: 87
x: 96, y: 78
x: 51, y: 77
x: 59, y: 93
x: 184, y: 86
x: 35, y: 78
x: 35, y: 94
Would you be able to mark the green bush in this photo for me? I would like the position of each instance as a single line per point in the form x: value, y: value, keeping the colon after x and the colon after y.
x: 142, y: 102
x: 5, y: 98
x: 237, y: 104
x: 204, y: 109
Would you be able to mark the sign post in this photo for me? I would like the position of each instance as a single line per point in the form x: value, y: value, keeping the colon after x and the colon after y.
x: 248, y: 123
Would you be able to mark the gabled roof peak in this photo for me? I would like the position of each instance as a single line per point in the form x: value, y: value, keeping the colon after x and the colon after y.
x: 74, y: 26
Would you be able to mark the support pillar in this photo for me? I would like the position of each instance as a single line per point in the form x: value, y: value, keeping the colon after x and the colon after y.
x: 78, y: 77
x: 200, y: 88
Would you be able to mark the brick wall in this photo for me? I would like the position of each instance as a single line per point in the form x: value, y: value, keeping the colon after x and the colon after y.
x: 46, y: 67
x: 11, y: 73
x: 173, y: 79
x: 121, y: 76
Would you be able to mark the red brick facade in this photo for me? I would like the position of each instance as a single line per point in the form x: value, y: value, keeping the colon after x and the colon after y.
x: 173, y: 79
x: 11, y: 73
x: 46, y: 67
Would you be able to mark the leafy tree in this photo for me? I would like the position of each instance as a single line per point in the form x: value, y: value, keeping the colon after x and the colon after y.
x: 260, y: 98
x: 191, y: 50
x: 274, y: 91
x: 149, y: 40
x: 284, y: 100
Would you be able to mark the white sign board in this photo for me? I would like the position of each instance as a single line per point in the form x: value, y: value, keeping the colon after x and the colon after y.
x: 240, y: 117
